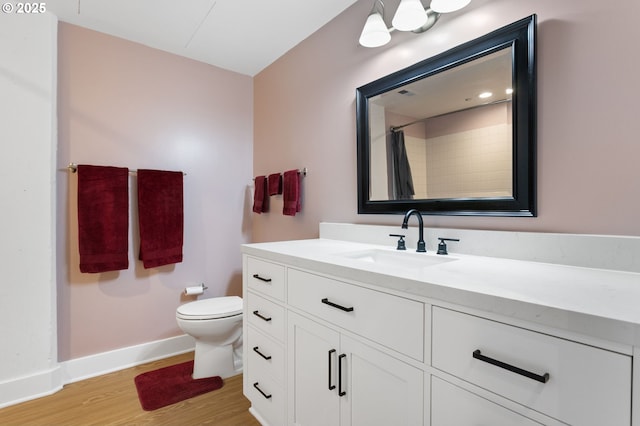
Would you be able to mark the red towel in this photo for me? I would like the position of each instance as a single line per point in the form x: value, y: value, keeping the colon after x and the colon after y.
x: 260, y: 199
x: 275, y: 184
x: 160, y: 217
x: 291, y: 193
x: 103, y: 218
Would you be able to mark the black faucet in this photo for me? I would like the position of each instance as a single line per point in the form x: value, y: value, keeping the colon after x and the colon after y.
x: 405, y: 224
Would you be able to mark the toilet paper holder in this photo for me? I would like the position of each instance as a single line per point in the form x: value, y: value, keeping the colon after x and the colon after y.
x: 195, y: 290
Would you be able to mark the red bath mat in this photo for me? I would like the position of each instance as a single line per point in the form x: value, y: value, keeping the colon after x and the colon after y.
x: 168, y: 385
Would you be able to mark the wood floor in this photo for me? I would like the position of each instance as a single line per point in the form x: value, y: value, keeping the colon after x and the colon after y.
x: 112, y: 399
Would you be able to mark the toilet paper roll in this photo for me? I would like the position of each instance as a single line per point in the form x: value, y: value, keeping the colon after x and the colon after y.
x: 194, y: 291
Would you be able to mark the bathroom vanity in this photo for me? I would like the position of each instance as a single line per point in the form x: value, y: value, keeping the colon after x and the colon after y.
x: 353, y: 333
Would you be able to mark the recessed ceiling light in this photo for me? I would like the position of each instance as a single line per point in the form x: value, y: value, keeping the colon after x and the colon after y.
x: 509, y: 91
x: 485, y: 95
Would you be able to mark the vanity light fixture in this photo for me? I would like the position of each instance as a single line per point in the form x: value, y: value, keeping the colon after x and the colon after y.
x: 447, y: 6
x: 411, y: 15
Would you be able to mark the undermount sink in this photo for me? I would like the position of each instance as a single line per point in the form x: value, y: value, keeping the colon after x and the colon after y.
x: 397, y: 259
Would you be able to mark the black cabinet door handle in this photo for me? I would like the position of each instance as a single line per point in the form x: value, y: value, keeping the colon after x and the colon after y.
x: 340, y: 391
x: 331, y: 385
x: 335, y: 305
x: 258, y: 277
x: 540, y: 378
x: 262, y: 317
x: 256, y: 350
x: 255, y: 385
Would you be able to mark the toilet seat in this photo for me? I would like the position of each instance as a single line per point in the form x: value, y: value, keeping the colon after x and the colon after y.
x: 214, y: 308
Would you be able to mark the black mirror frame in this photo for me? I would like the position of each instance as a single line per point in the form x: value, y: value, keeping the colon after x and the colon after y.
x: 521, y: 36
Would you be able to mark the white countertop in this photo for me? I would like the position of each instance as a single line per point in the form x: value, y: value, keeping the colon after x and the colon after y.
x: 600, y: 303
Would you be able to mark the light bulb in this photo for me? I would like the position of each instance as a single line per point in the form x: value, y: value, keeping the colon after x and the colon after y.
x: 375, y: 32
x: 409, y: 16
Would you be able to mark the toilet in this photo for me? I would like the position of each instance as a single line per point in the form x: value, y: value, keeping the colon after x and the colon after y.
x: 216, y: 324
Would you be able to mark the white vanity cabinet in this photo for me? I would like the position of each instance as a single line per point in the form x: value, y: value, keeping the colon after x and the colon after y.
x: 336, y: 378
x: 327, y: 346
x: 342, y: 345
x: 394, y: 322
x: 574, y: 383
x: 313, y: 371
x: 264, y: 328
x: 453, y: 406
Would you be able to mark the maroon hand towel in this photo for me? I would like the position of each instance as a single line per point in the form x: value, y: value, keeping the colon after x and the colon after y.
x: 160, y: 217
x: 260, y: 200
x: 291, y: 193
x: 103, y: 218
x: 275, y: 184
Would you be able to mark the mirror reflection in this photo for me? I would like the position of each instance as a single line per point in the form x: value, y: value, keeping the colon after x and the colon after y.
x: 453, y: 134
x: 459, y: 146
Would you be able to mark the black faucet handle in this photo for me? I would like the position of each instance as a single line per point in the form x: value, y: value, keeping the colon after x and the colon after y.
x: 401, y: 243
x: 442, y: 246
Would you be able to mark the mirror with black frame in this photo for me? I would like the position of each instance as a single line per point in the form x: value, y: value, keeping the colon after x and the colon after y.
x: 453, y: 134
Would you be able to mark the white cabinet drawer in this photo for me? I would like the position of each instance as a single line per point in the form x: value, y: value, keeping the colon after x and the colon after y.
x: 266, y: 395
x: 265, y: 355
x: 585, y: 386
x: 451, y: 405
x: 265, y: 277
x: 392, y: 321
x: 266, y: 316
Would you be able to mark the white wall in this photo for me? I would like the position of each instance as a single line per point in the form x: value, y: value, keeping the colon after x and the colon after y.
x: 28, y: 363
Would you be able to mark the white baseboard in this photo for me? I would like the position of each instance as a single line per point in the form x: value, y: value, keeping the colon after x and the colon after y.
x: 50, y: 381
x: 107, y: 362
x: 30, y: 387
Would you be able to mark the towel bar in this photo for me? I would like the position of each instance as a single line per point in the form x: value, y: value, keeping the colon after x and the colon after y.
x: 73, y: 168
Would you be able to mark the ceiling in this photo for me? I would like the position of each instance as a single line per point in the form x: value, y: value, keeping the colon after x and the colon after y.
x: 244, y: 36
x: 455, y: 89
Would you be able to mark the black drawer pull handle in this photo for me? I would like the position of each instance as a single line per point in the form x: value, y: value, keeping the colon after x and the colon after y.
x: 256, y: 350
x: 542, y: 379
x: 257, y: 313
x: 331, y: 385
x: 326, y: 302
x: 340, y: 391
x: 255, y: 385
x: 258, y: 277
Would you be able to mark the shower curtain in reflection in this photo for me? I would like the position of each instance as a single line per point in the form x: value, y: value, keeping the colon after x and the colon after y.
x: 402, y: 180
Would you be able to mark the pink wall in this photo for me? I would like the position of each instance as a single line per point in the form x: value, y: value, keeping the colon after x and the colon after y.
x: 124, y: 104
x: 588, y: 178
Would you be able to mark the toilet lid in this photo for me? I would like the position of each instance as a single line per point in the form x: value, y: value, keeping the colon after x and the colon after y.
x: 216, y: 307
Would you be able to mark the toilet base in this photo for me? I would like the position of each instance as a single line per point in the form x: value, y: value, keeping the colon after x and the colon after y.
x: 211, y: 360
